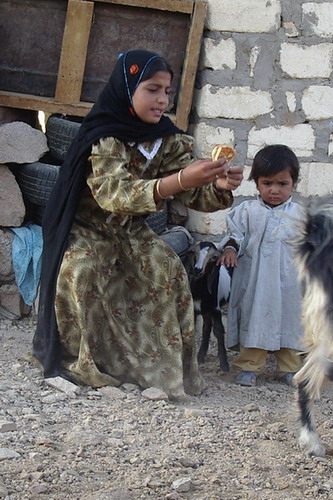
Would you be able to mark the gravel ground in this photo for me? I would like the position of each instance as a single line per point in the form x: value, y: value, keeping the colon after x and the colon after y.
x: 115, y: 444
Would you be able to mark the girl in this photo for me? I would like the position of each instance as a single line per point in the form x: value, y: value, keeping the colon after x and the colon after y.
x: 115, y: 304
x: 265, y: 299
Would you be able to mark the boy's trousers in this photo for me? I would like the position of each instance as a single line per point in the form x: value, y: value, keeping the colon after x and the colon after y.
x: 254, y: 360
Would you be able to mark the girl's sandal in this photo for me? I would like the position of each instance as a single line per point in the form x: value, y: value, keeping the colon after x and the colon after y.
x: 246, y: 378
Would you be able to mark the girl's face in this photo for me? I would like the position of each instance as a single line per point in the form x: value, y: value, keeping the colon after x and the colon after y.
x: 276, y: 189
x: 151, y: 98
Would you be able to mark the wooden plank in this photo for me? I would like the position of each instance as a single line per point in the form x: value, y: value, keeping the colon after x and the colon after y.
x: 74, y: 51
x: 190, y: 64
x: 47, y: 104
x: 186, y: 7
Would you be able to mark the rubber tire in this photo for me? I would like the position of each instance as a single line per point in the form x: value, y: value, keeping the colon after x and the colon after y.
x: 36, y: 181
x: 157, y: 221
x: 60, y: 133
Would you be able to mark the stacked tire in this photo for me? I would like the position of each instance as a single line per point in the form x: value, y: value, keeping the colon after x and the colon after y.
x: 36, y: 180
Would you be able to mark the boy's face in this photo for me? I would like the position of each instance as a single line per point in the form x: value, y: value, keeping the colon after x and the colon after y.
x: 276, y: 189
x: 151, y: 98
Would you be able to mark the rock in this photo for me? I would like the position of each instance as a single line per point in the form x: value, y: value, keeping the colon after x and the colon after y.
x: 112, y: 392
x: 11, y: 303
x: 63, y: 385
x: 182, y: 485
x: 154, y: 394
x: 6, y: 426
x: 193, y: 412
x: 21, y: 143
x: 3, y: 491
x: 7, y: 454
x: 12, y: 208
x: 6, y: 267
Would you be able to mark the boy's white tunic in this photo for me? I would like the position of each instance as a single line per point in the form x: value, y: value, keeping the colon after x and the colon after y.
x: 265, y: 302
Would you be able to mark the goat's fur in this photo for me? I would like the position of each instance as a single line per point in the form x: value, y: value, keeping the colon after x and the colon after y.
x: 210, y: 286
x: 314, y: 256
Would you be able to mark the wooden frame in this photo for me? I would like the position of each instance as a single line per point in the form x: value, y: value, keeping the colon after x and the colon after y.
x: 79, y: 17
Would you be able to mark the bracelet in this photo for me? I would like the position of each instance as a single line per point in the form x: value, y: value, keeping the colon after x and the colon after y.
x: 158, y: 190
x: 231, y: 247
x: 180, y: 181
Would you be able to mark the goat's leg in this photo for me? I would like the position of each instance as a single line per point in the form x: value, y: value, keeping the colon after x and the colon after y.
x: 206, y: 329
x: 219, y: 333
x: 308, y: 438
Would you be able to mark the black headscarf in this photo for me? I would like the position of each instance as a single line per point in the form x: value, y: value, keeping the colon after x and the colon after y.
x: 111, y: 116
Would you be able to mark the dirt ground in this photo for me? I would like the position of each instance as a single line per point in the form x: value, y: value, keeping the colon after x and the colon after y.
x: 230, y: 443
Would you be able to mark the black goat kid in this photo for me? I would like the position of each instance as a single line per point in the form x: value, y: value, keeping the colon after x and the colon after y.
x: 210, y: 286
x: 315, y: 259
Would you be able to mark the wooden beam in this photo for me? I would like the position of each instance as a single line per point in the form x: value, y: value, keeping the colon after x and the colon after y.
x: 74, y: 51
x: 47, y: 104
x: 185, y: 7
x: 190, y: 64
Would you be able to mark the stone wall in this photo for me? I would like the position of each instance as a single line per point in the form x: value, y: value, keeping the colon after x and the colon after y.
x: 265, y: 77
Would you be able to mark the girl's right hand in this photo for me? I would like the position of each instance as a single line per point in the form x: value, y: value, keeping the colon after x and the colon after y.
x: 203, y: 172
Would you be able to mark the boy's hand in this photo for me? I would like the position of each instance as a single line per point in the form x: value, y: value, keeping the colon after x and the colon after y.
x: 228, y: 258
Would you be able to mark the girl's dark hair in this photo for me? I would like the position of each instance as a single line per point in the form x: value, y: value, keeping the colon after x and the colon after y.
x: 274, y: 159
x: 158, y: 64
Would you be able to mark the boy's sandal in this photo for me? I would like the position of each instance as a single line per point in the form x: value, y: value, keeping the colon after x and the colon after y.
x: 246, y: 378
x: 288, y: 379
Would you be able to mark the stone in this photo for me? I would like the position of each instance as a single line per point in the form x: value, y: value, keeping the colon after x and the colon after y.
x: 221, y: 55
x: 21, y: 143
x: 300, y: 138
x: 317, y: 102
x: 232, y: 102
x: 252, y: 16
x: 6, y: 267
x: 317, y: 18
x: 300, y: 61
x: 11, y: 303
x: 6, y: 426
x: 182, y: 485
x: 7, y: 454
x: 112, y: 392
x: 154, y: 394
x: 63, y: 385
x: 12, y: 209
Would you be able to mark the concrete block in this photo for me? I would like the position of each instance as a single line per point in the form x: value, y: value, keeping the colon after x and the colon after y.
x: 317, y: 102
x: 301, y: 61
x: 12, y: 209
x: 212, y: 223
x: 220, y: 55
x: 206, y: 136
x: 317, y: 18
x: 252, y: 16
x: 316, y: 179
x: 300, y: 139
x: 21, y: 143
x: 232, y: 102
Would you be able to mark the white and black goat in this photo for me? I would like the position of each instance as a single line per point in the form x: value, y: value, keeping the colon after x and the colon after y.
x: 210, y: 286
x: 315, y: 261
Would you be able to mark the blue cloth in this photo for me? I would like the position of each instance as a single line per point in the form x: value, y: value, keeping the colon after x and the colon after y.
x: 27, y: 250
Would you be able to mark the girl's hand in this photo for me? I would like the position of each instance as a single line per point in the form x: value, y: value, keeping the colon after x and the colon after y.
x: 204, y: 172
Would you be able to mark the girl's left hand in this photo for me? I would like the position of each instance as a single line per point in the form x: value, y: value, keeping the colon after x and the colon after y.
x: 231, y: 179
